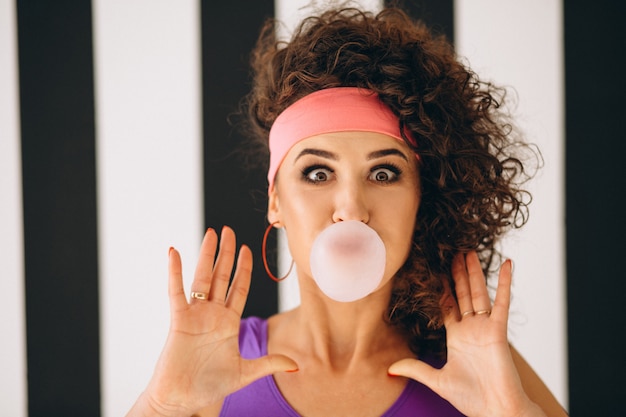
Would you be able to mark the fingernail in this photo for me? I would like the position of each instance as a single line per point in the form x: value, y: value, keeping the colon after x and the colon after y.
x: 169, y: 252
x: 292, y: 370
x: 390, y: 374
x: 512, y: 265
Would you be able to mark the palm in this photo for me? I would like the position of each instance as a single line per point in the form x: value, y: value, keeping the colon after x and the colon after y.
x: 201, y: 363
x: 479, y: 377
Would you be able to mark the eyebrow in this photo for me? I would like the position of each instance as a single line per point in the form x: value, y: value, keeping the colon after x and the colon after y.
x: 317, y: 152
x: 329, y: 155
x: 386, y: 152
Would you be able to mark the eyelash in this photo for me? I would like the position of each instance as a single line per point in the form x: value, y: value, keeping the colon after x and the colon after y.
x: 306, y: 171
x: 397, y: 172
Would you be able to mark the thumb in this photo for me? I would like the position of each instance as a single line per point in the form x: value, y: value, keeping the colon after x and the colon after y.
x: 266, y: 365
x: 415, y: 369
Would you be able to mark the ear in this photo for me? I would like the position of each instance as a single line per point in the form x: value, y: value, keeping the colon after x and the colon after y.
x: 273, y: 207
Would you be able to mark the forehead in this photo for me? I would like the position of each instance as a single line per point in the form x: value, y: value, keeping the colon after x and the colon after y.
x: 354, y: 142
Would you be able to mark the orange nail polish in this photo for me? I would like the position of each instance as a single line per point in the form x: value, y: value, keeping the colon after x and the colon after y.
x: 169, y: 252
x: 293, y: 370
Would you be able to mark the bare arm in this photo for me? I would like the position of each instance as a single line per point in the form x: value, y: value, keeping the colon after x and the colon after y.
x: 535, y: 388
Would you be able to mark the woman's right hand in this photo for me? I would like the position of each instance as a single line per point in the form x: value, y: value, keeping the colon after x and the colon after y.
x: 200, y: 364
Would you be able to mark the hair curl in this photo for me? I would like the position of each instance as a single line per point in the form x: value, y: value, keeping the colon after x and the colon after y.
x: 470, y: 156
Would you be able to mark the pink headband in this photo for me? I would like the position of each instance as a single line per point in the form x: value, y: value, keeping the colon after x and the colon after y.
x: 339, y: 109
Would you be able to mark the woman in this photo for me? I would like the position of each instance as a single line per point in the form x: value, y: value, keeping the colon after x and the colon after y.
x: 369, y: 120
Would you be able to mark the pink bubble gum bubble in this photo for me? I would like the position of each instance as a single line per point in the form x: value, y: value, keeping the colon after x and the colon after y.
x: 348, y: 261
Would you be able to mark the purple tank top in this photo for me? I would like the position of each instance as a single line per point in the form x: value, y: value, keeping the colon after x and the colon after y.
x: 262, y: 397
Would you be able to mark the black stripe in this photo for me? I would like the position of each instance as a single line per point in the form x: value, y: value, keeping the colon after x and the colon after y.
x: 233, y: 195
x: 438, y: 15
x: 595, y: 40
x: 60, y: 246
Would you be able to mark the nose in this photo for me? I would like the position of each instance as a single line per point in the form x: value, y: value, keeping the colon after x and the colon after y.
x: 351, y: 203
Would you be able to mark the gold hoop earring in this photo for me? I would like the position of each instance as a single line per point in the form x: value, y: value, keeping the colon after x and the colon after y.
x: 264, y: 255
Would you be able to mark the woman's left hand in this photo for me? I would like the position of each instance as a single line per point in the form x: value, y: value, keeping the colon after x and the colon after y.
x: 479, y: 377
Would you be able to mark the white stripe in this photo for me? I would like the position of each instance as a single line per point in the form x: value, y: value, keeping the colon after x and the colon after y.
x: 13, y: 385
x: 149, y: 159
x: 520, y: 44
x: 291, y: 12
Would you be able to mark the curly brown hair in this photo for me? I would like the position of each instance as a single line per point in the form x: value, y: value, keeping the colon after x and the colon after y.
x: 470, y: 156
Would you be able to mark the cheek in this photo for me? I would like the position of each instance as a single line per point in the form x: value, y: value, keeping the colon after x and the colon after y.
x: 301, y: 211
x: 302, y: 219
x: 401, y: 239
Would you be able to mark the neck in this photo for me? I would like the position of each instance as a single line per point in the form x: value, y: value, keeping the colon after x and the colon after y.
x: 345, y: 333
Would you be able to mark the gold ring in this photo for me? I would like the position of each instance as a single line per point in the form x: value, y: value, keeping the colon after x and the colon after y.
x: 199, y: 295
x: 483, y: 312
x: 467, y: 313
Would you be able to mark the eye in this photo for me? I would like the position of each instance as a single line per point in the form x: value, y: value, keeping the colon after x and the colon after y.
x: 384, y: 174
x: 317, y: 174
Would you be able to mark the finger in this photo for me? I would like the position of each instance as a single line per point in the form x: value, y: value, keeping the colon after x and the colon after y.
x: 238, y: 291
x: 204, y: 269
x: 254, y: 369
x: 175, y: 289
x: 462, y: 285
x: 417, y: 370
x: 478, y: 285
x: 223, y: 265
x: 502, y: 301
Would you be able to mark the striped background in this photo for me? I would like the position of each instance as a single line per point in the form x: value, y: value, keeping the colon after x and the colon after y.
x: 114, y: 145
